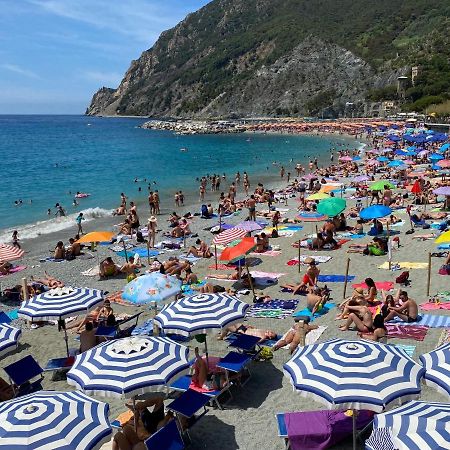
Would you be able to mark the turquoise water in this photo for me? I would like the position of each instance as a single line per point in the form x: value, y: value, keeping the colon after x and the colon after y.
x: 47, y: 159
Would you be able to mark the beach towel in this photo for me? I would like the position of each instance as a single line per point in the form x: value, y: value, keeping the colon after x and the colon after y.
x: 274, y: 309
x: 14, y: 269
x: 271, y: 253
x: 51, y: 259
x: 335, y: 278
x: 142, y: 252
x: 146, y: 329
x: 404, y: 265
x: 444, y: 247
x: 187, y: 289
x: 13, y: 314
x: 409, y: 349
x: 266, y: 275
x: 319, y: 259
x: 427, y: 320
x: 434, y: 306
x: 92, y: 272
x: 116, y: 297
x: 191, y: 258
x: 119, y: 248
x: 269, y: 313
x: 415, y: 332
x: 306, y: 312
x: 380, y: 285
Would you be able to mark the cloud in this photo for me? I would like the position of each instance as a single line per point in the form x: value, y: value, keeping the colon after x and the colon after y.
x: 20, y: 71
x: 141, y: 20
x: 105, y: 78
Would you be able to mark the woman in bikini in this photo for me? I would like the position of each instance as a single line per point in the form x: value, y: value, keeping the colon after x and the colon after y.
x: 360, y: 316
x: 378, y: 332
x: 371, y: 296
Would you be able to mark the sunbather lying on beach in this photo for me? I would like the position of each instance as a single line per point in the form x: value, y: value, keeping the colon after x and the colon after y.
x: 294, y: 336
x: 249, y: 330
x: 5, y: 267
x: 48, y: 281
x: 210, y: 288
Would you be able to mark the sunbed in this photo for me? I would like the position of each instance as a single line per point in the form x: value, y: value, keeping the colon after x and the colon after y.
x: 237, y: 364
x: 123, y: 328
x: 25, y: 376
x: 167, y: 438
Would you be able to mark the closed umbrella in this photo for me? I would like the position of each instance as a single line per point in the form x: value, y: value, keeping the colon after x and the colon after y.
x: 437, y: 366
x: 331, y: 206
x: 152, y: 287
x: 54, y: 420
x: 60, y: 303
x: 414, y: 426
x: 9, y: 337
x: 354, y: 374
x: 129, y: 366
x: 10, y: 253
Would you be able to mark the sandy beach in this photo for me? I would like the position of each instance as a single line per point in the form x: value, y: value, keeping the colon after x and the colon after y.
x: 248, y: 420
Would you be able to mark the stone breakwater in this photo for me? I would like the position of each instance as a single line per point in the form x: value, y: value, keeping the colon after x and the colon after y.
x: 195, y: 127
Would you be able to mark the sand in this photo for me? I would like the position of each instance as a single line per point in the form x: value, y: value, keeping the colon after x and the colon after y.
x: 248, y: 420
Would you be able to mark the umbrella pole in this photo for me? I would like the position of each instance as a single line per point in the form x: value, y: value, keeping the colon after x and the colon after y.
x: 354, y: 428
x: 135, y: 412
x: 206, y: 353
x: 66, y: 337
x: 346, y: 278
x: 125, y: 250
x: 148, y: 251
x: 25, y: 289
x: 429, y: 275
x: 215, y: 254
x: 299, y: 255
x: 250, y: 280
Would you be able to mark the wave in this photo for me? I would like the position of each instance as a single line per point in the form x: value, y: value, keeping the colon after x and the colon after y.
x: 36, y: 229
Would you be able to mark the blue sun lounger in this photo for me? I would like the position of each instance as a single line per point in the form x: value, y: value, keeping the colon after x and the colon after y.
x: 167, y: 438
x: 25, y: 376
x: 244, y: 342
x: 182, y: 385
x: 236, y: 363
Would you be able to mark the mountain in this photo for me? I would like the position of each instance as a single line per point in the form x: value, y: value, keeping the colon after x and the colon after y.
x: 290, y: 57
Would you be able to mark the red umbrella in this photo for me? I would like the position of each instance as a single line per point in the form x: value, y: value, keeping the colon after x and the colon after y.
x: 239, y: 251
x: 416, y: 189
x: 10, y: 253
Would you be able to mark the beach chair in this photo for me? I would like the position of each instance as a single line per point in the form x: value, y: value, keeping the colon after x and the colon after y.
x: 245, y: 343
x: 25, y: 376
x: 4, y: 318
x: 418, y: 223
x: 238, y: 365
x: 62, y: 365
x: 320, y: 429
x: 167, y: 438
x: 188, y: 404
x: 123, y: 328
x: 183, y: 383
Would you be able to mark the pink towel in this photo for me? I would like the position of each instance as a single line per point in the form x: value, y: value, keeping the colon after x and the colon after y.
x: 416, y: 332
x: 380, y: 285
x: 434, y: 306
x: 14, y: 270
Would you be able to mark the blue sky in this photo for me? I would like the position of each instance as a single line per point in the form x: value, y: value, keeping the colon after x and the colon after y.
x: 54, y: 54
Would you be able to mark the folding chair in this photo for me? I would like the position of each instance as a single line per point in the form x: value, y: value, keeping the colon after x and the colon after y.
x: 25, y: 376
x: 63, y: 364
x: 236, y: 363
x: 167, y: 438
x: 117, y: 331
x: 245, y: 343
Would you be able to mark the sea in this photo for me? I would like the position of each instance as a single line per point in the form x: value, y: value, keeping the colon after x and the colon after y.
x: 46, y: 160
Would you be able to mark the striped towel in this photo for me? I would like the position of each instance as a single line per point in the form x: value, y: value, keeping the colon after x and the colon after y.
x: 380, y: 439
x: 409, y: 349
x: 427, y: 320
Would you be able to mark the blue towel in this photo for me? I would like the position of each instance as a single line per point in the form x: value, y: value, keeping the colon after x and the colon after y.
x: 4, y: 318
x: 409, y: 349
x: 142, y: 252
x: 335, y: 278
x: 357, y: 236
x: 444, y: 247
x: 274, y: 304
x: 427, y: 320
x: 306, y: 312
x: 13, y: 315
x: 146, y: 329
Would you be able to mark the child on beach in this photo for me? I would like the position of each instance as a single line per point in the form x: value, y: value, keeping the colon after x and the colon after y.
x: 78, y: 220
x: 15, y: 239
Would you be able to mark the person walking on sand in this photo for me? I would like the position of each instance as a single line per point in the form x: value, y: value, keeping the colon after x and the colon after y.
x: 251, y: 205
x: 15, y: 239
x: 78, y: 220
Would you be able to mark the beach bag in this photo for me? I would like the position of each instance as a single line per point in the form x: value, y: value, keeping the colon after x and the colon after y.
x: 444, y: 270
x: 403, y: 278
x: 265, y: 354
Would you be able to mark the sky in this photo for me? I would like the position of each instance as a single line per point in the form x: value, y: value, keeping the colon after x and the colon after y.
x: 55, y: 54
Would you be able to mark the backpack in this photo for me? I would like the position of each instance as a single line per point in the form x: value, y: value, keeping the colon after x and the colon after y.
x: 403, y: 278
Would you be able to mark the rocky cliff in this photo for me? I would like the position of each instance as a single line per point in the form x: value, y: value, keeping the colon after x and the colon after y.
x: 285, y: 57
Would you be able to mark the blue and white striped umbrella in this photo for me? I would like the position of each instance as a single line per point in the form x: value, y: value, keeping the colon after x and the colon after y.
x: 413, y: 426
x: 54, y: 420
x: 437, y: 366
x: 128, y: 367
x: 60, y: 303
x: 9, y: 336
x: 198, y: 314
x: 355, y: 374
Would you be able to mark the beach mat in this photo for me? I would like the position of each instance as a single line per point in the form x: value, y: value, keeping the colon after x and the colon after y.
x: 380, y: 285
x: 335, y: 278
x: 15, y: 269
x: 51, y: 259
x: 274, y: 309
x: 142, y: 252
x: 404, y: 265
x: 187, y: 289
x: 427, y: 320
x: 435, y: 306
x: 414, y: 332
x: 319, y: 259
x: 271, y: 253
x: 408, y: 349
x: 306, y: 312
x: 13, y: 314
x: 146, y: 329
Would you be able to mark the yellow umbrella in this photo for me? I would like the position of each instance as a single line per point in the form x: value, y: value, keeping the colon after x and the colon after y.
x: 96, y: 236
x: 443, y: 238
x: 318, y: 196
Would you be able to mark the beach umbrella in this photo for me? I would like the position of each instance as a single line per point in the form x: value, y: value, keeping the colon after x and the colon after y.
x: 9, y: 337
x: 240, y: 250
x: 354, y: 374
x: 54, y: 420
x: 375, y: 212
x: 416, y: 189
x: 151, y: 287
x: 382, y: 159
x: 96, y: 236
x: 317, y: 196
x: 414, y: 426
x: 444, y: 147
x: 330, y: 187
x: 249, y: 225
x: 443, y: 238
x: 361, y: 178
x: 394, y: 138
x: 396, y: 163
x: 129, y: 366
x: 443, y: 190
x: 437, y: 366
x: 356, y: 158
x: 331, y: 206
x: 345, y: 158
x: 380, y: 185
x: 372, y: 162
x: 311, y: 217
x: 400, y: 152
x: 435, y: 157
x: 10, y: 253
x: 227, y: 236
x: 443, y: 163
x: 60, y: 303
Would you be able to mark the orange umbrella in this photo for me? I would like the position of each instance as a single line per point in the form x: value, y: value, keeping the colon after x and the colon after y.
x: 96, y: 236
x: 239, y: 251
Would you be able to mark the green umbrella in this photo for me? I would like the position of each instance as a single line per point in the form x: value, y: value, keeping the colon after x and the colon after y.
x: 380, y: 185
x: 331, y: 206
